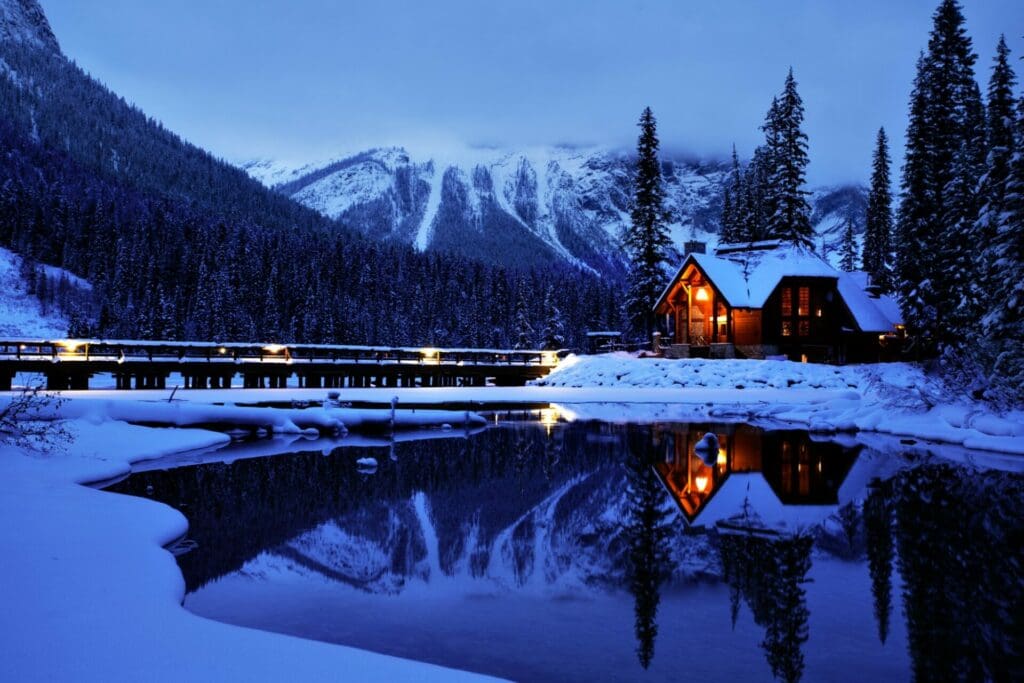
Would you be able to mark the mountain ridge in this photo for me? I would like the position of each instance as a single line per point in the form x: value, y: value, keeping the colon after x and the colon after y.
x: 531, y: 204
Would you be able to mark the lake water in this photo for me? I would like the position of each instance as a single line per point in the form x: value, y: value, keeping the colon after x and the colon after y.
x: 540, y: 550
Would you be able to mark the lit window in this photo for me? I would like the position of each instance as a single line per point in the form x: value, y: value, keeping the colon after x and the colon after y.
x: 804, y: 307
x: 787, y: 302
x: 787, y: 328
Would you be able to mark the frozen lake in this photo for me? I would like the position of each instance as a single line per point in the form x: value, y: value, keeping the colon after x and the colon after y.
x: 541, y: 550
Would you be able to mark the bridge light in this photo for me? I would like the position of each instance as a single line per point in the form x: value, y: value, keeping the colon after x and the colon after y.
x: 274, y: 348
x: 430, y: 355
x: 549, y: 358
x: 69, y: 345
x: 222, y: 350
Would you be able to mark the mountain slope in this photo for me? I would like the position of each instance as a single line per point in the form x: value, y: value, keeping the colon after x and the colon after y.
x: 522, y: 206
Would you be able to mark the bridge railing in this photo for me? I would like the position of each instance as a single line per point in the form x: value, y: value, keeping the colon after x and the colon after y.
x: 122, y: 350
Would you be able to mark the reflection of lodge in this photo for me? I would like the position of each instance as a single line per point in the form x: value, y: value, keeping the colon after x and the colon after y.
x: 767, y: 470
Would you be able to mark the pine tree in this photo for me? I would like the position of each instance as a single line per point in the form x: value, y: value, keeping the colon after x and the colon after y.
x: 647, y: 239
x: 733, y: 218
x: 1004, y: 323
x: 848, y: 258
x: 553, y: 336
x: 790, y: 217
x: 938, y: 210
x: 877, y: 254
x: 522, y: 330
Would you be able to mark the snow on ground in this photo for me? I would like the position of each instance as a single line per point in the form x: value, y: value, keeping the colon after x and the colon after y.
x: 21, y: 314
x: 891, y: 398
x: 91, y: 594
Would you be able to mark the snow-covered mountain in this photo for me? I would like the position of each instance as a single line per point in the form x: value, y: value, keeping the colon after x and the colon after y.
x: 23, y: 21
x: 527, y: 206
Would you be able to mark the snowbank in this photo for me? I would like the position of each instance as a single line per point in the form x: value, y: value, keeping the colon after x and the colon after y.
x: 128, y: 407
x: 90, y: 594
x: 891, y: 398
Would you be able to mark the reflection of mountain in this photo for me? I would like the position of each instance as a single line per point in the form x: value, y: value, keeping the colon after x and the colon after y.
x: 774, y: 475
x: 519, y: 506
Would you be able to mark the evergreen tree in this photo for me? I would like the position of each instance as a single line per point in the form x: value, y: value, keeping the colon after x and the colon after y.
x: 647, y: 239
x: 848, y: 257
x: 789, y: 213
x: 522, y: 330
x: 1004, y: 323
x: 938, y: 209
x: 1000, y: 141
x: 553, y: 336
x: 647, y: 534
x: 879, y: 537
x: 733, y: 218
x: 877, y: 254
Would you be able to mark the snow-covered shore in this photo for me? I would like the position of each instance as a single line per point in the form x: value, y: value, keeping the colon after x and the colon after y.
x: 890, y: 398
x: 91, y: 594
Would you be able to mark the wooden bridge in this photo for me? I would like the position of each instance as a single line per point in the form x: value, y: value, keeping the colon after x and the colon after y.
x: 70, y: 363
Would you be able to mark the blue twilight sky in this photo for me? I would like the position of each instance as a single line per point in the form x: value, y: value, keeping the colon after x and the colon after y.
x: 309, y: 79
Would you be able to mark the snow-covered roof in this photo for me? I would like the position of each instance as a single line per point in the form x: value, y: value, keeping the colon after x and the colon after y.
x: 873, y: 314
x: 746, y: 277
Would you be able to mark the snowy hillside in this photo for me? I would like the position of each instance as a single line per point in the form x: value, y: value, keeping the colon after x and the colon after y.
x: 519, y: 206
x: 21, y: 314
x: 23, y: 21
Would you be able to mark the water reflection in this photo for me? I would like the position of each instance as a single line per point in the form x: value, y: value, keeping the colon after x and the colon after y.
x: 598, y: 551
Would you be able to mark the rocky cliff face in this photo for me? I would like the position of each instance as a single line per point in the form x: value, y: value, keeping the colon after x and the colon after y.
x: 523, y: 207
x: 24, y: 21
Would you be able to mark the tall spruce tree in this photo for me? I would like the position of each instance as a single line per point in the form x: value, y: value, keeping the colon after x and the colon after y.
x: 848, y: 251
x: 877, y: 254
x: 789, y: 218
x: 733, y: 205
x: 647, y: 239
x: 1004, y: 323
x: 938, y: 210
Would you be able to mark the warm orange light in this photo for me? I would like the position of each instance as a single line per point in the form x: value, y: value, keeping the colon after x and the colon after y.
x: 702, y: 294
x: 721, y: 458
x: 549, y: 358
x: 69, y: 345
x: 222, y: 350
x: 274, y: 348
x: 701, y: 482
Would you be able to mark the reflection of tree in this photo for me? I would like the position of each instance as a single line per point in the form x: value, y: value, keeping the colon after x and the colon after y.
x: 878, y: 532
x: 767, y: 572
x: 960, y: 543
x: 646, y: 533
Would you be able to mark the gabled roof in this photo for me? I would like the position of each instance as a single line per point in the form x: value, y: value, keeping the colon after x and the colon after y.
x: 747, y: 275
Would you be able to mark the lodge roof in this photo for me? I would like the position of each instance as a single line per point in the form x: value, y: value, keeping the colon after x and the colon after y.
x: 746, y: 275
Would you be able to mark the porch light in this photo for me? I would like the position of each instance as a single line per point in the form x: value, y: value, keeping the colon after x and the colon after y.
x: 701, y: 483
x: 702, y: 294
x: 721, y: 458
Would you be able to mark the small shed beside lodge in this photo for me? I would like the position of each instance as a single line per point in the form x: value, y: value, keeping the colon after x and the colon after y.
x: 776, y: 299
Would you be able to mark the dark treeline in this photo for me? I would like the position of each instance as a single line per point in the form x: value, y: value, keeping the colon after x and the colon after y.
x: 955, y: 536
x: 178, y: 244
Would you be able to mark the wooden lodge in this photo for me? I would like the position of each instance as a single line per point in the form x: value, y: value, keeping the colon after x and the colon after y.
x: 771, y: 299
x: 783, y: 475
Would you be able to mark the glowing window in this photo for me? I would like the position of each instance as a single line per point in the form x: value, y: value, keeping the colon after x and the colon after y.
x: 787, y: 328
x: 787, y: 302
x: 804, y: 307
